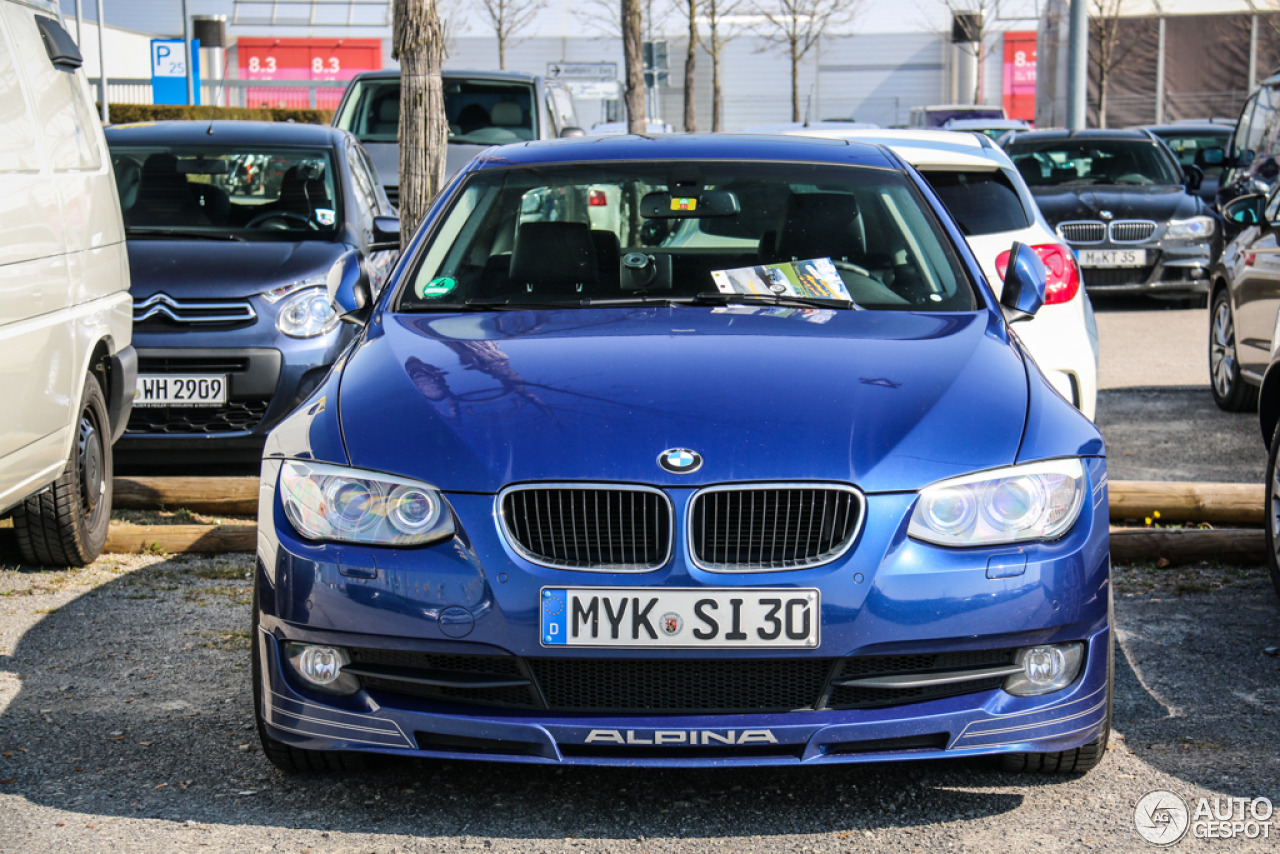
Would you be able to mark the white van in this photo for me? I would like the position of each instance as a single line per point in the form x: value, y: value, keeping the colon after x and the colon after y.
x: 67, y: 367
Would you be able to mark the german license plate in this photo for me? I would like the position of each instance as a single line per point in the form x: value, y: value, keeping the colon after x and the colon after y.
x: 176, y: 390
x: 688, y: 618
x: 1113, y: 257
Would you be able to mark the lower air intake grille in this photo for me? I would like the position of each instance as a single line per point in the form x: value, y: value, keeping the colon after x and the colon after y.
x: 400, y: 664
x: 233, y: 416
x: 672, y: 685
x: 593, y: 528
x: 860, y: 697
x: 772, y: 527
x: 1111, y: 277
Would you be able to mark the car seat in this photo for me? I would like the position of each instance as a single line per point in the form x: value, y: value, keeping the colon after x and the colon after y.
x: 384, y: 118
x: 473, y: 117
x: 301, y: 194
x: 821, y: 225
x: 164, y: 196
x: 555, y: 258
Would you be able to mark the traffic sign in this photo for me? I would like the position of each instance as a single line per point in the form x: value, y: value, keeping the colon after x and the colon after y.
x: 595, y: 90
x: 583, y: 70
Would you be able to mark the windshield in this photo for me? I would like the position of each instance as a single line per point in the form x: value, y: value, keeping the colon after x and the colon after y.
x: 480, y: 112
x: 225, y: 193
x: 1092, y: 161
x: 568, y: 235
x: 980, y: 202
x: 1187, y: 145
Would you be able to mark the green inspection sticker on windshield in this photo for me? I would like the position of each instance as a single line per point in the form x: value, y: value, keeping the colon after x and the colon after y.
x: 436, y: 288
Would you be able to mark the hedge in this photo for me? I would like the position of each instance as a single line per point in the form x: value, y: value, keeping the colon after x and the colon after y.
x: 126, y: 113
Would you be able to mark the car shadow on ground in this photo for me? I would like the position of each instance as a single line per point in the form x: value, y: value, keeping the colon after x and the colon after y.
x: 135, y: 702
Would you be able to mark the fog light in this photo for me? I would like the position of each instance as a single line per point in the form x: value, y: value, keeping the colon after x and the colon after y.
x: 1045, y: 669
x: 321, y: 667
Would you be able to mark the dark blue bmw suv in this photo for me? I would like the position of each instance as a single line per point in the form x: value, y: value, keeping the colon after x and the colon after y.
x: 232, y: 228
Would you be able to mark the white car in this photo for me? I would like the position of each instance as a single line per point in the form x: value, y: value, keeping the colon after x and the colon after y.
x: 67, y: 365
x: 991, y: 203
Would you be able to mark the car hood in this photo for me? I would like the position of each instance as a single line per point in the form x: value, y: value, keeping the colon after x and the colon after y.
x: 1062, y: 204
x: 386, y: 159
x: 215, y: 269
x: 886, y: 400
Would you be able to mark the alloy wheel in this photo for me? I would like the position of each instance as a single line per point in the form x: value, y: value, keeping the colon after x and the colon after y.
x: 1222, y: 349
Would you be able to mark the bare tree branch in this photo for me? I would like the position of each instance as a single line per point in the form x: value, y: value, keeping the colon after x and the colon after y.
x: 1107, y: 50
x: 509, y: 18
x: 796, y: 26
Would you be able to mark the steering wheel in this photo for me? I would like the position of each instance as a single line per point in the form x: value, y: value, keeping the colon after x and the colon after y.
x: 258, y: 220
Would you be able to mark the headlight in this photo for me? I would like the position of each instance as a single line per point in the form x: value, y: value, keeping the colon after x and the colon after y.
x: 1045, y: 669
x: 307, y: 315
x: 1037, y: 501
x: 276, y: 294
x: 327, y: 502
x: 1196, y: 227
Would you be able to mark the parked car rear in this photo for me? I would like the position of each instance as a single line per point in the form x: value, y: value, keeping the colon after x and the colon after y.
x: 66, y: 361
x: 484, y: 108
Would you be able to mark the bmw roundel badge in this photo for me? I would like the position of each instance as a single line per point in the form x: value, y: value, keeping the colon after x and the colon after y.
x: 680, y: 460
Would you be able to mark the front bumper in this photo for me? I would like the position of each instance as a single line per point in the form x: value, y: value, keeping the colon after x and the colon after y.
x: 1180, y: 268
x: 888, y: 596
x: 268, y: 375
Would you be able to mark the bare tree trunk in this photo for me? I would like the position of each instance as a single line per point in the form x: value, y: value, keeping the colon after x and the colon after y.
x: 418, y: 43
x: 690, y: 66
x: 717, y: 96
x: 502, y: 53
x: 633, y: 57
x: 1102, y: 101
x: 795, y: 83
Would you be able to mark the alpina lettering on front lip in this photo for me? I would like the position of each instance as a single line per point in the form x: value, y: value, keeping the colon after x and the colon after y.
x: 681, y: 736
x: 680, y: 460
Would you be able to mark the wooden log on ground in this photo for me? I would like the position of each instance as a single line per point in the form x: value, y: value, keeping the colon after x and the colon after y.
x: 1188, y: 545
x: 224, y: 496
x: 125, y: 538
x: 1219, y: 503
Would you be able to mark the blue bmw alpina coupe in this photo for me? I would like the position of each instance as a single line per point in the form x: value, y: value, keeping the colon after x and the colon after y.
x: 685, y: 451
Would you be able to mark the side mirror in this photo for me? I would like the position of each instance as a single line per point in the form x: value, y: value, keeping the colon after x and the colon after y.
x: 1192, y: 177
x: 1024, y: 284
x: 1243, y: 211
x: 386, y: 233
x: 348, y: 287
x: 572, y: 133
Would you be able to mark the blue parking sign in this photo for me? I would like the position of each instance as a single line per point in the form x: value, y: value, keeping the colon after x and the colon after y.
x: 169, y: 71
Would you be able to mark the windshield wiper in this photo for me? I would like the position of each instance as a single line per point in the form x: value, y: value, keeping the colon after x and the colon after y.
x: 717, y: 298
x: 180, y: 234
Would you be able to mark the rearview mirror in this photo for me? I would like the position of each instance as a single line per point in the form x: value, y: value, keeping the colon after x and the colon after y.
x: 1210, y: 157
x: 709, y: 203
x: 348, y: 287
x: 1024, y: 284
x: 572, y: 133
x: 386, y: 233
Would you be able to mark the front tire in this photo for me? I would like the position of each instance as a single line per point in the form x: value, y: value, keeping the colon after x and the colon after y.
x: 1230, y: 391
x: 66, y: 524
x: 1273, y: 511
